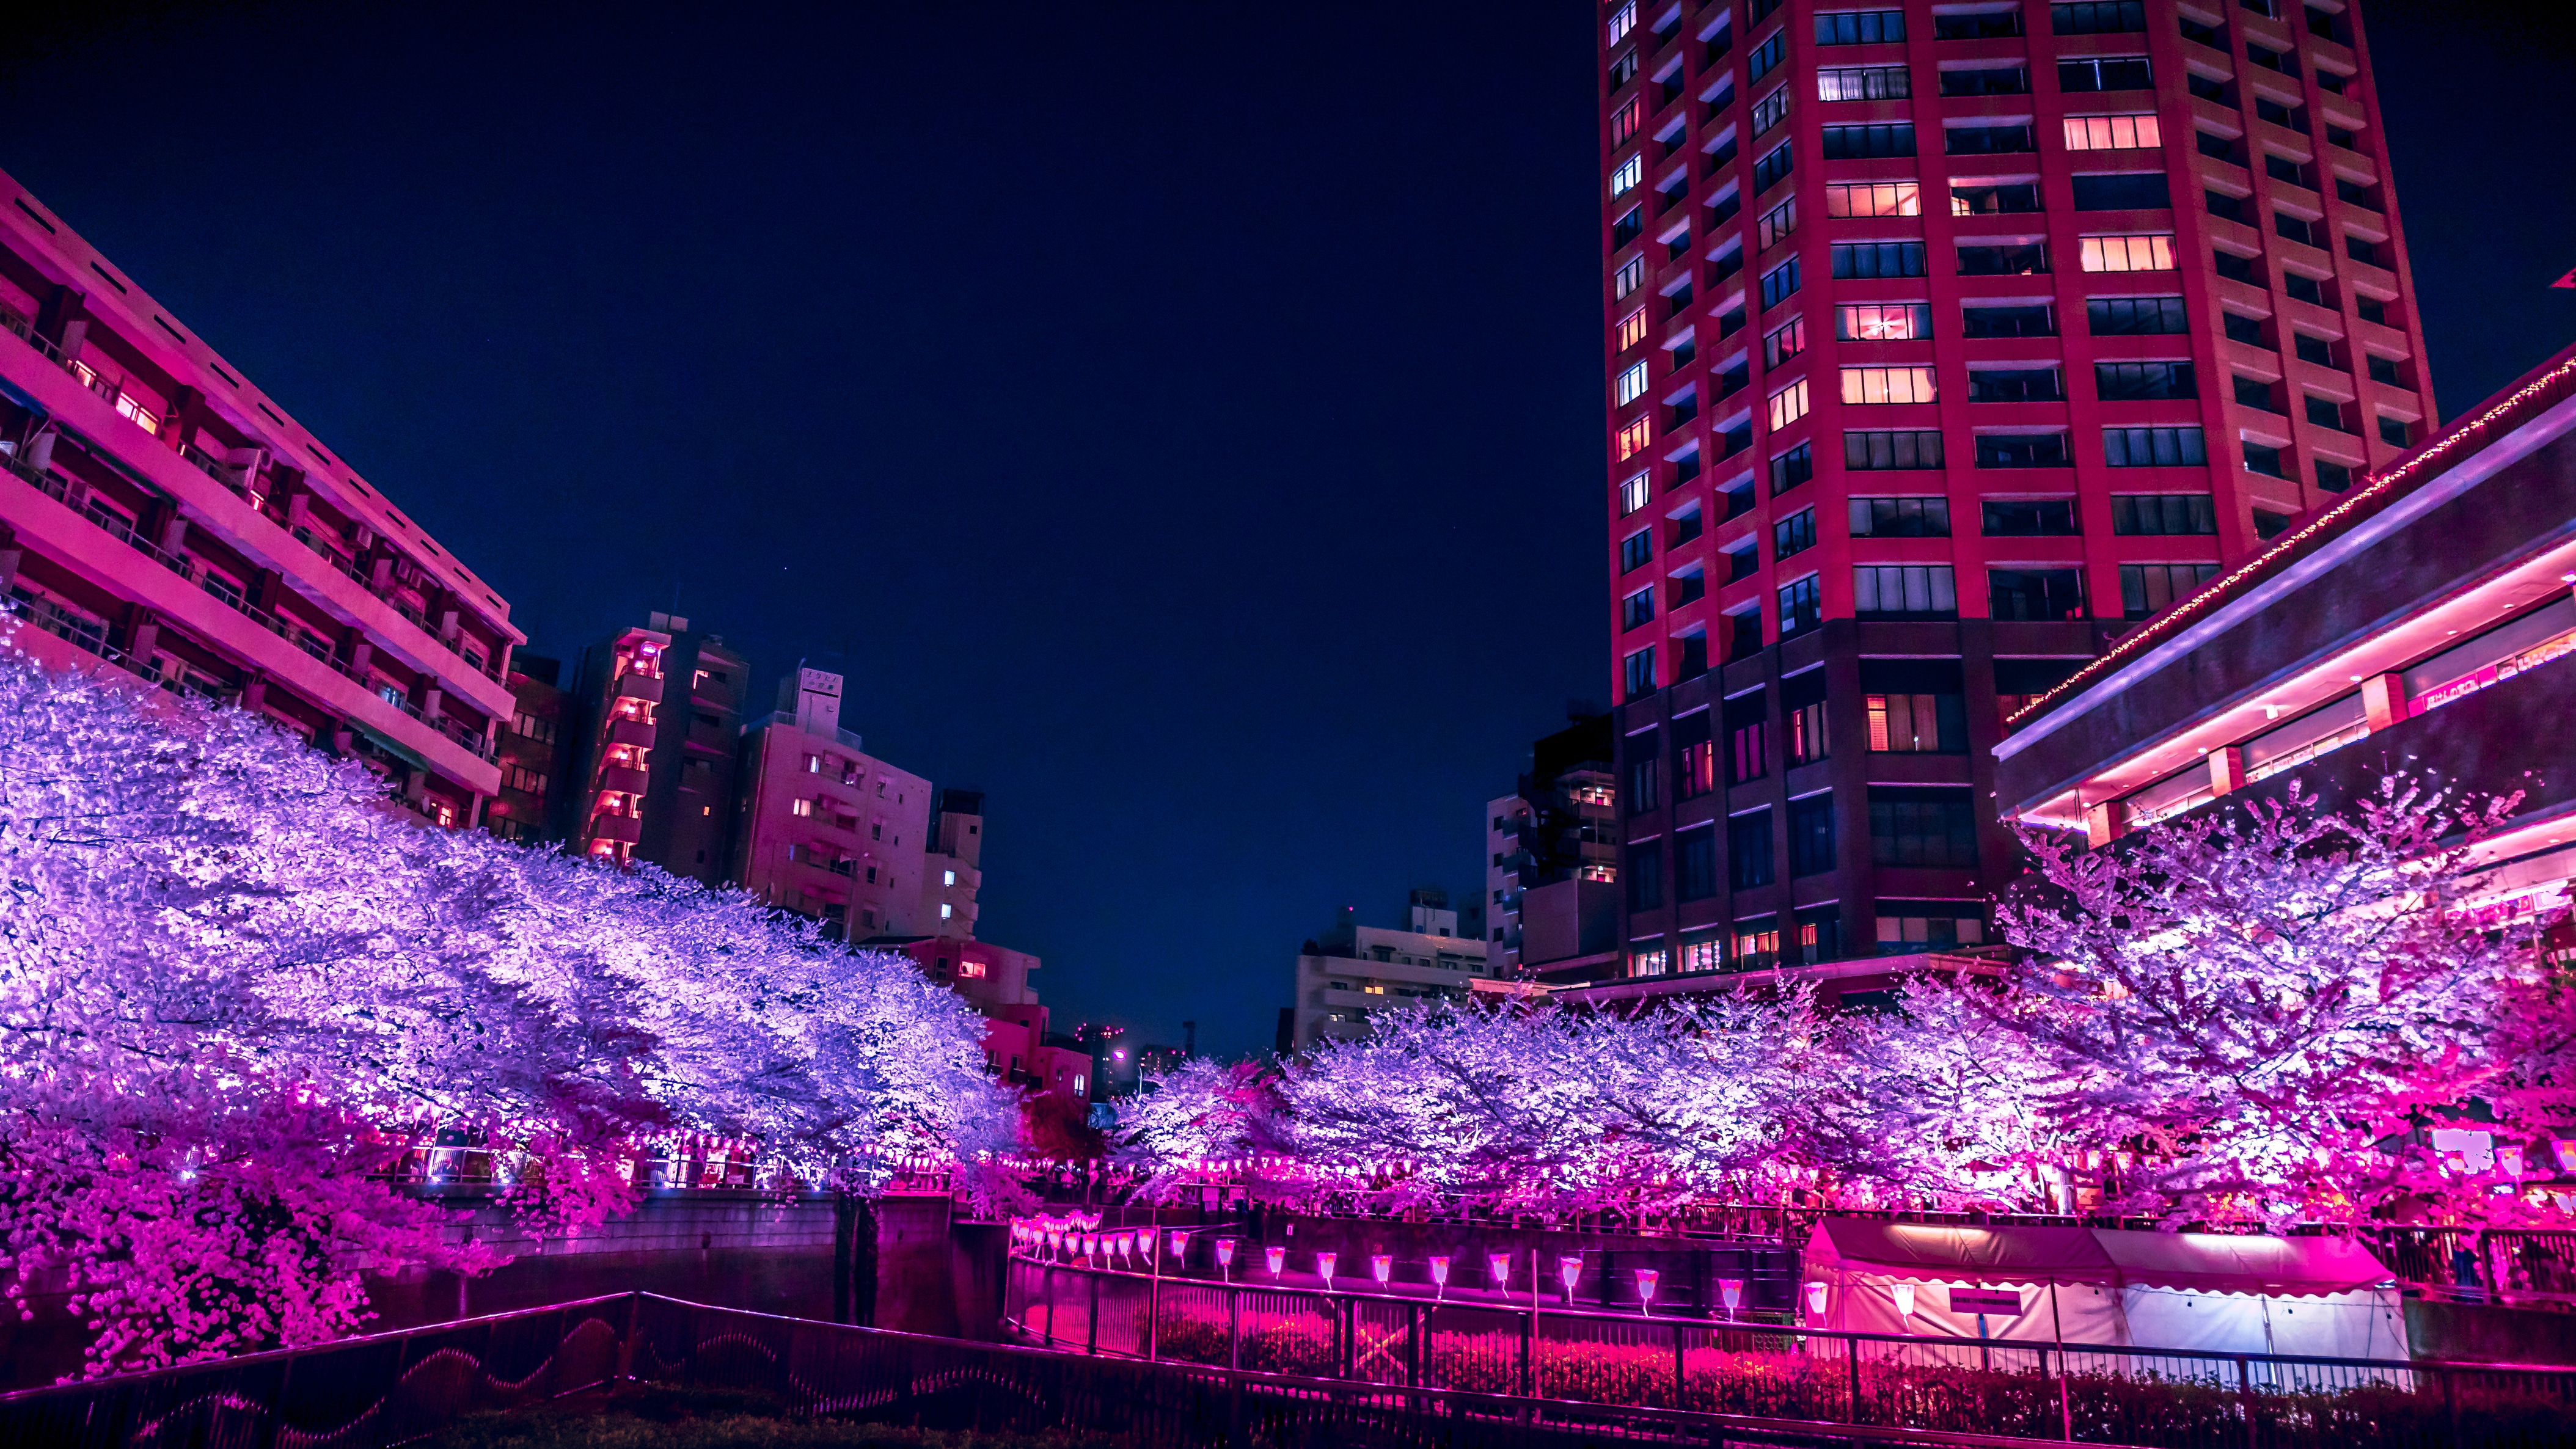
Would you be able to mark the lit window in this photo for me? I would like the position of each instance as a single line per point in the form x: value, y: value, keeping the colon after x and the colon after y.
x: 1623, y: 122
x: 970, y: 970
x: 950, y: 877
x: 813, y: 764
x: 1874, y: 198
x: 1632, y: 329
x: 2149, y: 252
x: 1883, y: 322
x: 1634, y: 437
x: 1632, y: 384
x: 1630, y: 172
x: 2112, y: 133
x: 1785, y: 342
x: 946, y: 910
x: 1889, y: 385
x: 1790, y: 404
x: 1768, y: 110
x: 1632, y: 495
x: 802, y: 809
x: 1623, y: 21
x: 1631, y: 276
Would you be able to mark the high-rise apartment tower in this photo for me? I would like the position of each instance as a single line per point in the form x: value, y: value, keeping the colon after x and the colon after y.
x: 1944, y: 342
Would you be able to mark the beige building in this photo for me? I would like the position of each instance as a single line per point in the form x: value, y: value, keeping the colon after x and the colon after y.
x: 1354, y: 970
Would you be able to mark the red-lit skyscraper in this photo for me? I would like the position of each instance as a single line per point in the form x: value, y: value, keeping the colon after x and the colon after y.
x: 1945, y: 341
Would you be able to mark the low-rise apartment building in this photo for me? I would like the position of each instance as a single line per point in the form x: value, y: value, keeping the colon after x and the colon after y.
x: 162, y: 516
x: 1352, y: 971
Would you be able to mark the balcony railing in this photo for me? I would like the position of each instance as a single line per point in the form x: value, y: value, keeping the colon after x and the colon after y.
x: 235, y: 478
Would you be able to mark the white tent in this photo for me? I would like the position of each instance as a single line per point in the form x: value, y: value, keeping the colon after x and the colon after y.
x: 2320, y: 1296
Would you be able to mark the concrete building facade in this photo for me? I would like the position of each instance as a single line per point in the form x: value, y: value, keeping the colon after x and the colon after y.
x: 163, y: 517
x: 1552, y: 858
x: 1945, y: 343
x: 654, y: 757
x: 2424, y: 626
x: 1351, y: 970
x: 825, y: 829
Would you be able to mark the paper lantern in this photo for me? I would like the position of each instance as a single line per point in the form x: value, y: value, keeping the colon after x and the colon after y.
x: 1439, y: 1276
x: 1324, y: 1268
x: 1816, y: 1299
x: 1380, y: 1266
x: 1275, y: 1258
x: 1647, y: 1278
x: 1501, y: 1265
x: 1904, y: 1300
x: 1730, y: 1291
x: 1569, y: 1269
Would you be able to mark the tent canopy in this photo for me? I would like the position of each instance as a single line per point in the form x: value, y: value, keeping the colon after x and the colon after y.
x: 2192, y: 1262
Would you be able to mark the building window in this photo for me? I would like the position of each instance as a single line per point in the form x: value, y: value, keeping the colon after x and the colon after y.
x: 1778, y: 222
x: 1638, y: 608
x: 1632, y: 384
x: 1987, y: 198
x: 1806, y: 732
x: 1877, y: 259
x: 1697, y: 774
x: 1695, y: 864
x: 1917, y: 724
x: 1623, y: 121
x: 2018, y: 259
x: 2264, y: 460
x: 2029, y: 518
x: 2046, y: 594
x: 1748, y: 740
x: 1748, y: 850
x: 1801, y: 608
x: 1918, y: 591
x: 1634, y: 436
x: 1773, y: 166
x: 1883, y: 322
x: 1860, y: 142
x: 1704, y: 951
x: 1874, y: 198
x: 2136, y: 316
x: 1794, y: 534
x: 1910, y: 928
x: 1636, y: 550
x: 2113, y: 133
x: 1646, y: 876
x: 2009, y: 139
x: 1631, y: 276
x: 2106, y: 73
x: 1632, y: 329
x: 2022, y: 450
x: 1864, y: 83
x: 1792, y: 468
x: 1763, y: 57
x: 1811, y: 835
x: 2163, y: 514
x: 2122, y: 191
x: 2153, y: 447
x: 1867, y: 385
x: 1768, y: 111
x: 2144, y: 252
x: 1757, y: 944
x: 1630, y: 172
x: 1935, y: 829
x: 2143, y: 381
x: 1860, y: 27
x: 1633, y: 495
x: 802, y: 809
x: 1622, y: 20
x: 2019, y: 384
x: 1640, y: 673
x: 1789, y: 404
x: 1890, y: 451
x: 2149, y: 589
x: 1900, y: 517
x: 1784, y: 342
x: 2097, y: 17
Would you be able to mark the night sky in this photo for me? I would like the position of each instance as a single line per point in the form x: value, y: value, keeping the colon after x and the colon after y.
x: 1183, y: 426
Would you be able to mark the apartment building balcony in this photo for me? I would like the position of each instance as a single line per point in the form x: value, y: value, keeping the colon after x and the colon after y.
x: 177, y: 594
x: 636, y: 684
x: 625, y: 779
x: 624, y: 829
x: 210, y: 496
x: 631, y: 732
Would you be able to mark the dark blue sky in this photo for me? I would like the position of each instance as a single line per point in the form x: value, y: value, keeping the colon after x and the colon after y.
x: 1182, y: 422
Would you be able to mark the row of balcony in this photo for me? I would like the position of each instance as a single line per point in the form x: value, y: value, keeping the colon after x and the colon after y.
x: 222, y: 591
x: 238, y: 480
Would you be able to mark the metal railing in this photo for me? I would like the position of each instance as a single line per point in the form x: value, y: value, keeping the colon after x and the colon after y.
x: 2172, y: 1398
x: 400, y: 1388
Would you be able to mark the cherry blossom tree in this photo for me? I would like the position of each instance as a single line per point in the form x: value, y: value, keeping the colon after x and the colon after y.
x: 237, y: 986
x: 2262, y: 1001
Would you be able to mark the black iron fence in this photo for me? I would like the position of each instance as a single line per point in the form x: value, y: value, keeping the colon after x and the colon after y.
x: 401, y: 1388
x: 2176, y: 1399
